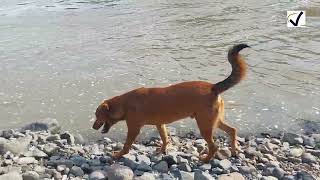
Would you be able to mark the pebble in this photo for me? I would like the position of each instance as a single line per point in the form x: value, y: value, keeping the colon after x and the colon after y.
x: 119, y: 172
x: 47, y: 155
x: 278, y: 172
x: 223, y: 153
x: 77, y: 171
x: 296, y: 152
x: 143, y: 166
x: 69, y: 137
x: 30, y: 175
x: 162, y: 166
x: 225, y: 164
x: 269, y: 178
x: 308, y: 158
x: 27, y: 160
x: 184, y: 167
x: 200, y: 175
x: 231, y: 176
x: 145, y: 176
x: 11, y: 176
x: 246, y: 169
x: 292, y: 138
x: 97, y: 175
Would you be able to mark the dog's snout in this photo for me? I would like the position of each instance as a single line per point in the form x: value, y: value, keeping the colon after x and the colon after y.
x: 97, y: 125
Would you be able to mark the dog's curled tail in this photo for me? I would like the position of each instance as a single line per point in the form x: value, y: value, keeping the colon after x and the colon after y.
x: 239, y: 69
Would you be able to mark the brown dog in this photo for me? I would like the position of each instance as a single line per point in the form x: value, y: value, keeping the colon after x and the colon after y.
x: 160, y: 106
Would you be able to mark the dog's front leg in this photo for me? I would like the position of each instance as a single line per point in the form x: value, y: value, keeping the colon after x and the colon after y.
x: 133, y: 132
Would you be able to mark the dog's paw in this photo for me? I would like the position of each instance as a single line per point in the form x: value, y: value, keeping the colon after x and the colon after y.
x: 161, y: 150
x: 116, y: 154
x: 235, y: 150
x: 204, y: 158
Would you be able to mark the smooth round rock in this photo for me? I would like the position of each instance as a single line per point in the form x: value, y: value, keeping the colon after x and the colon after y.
x: 97, y: 175
x: 119, y: 172
x: 30, y: 175
x: 162, y: 166
x: 77, y: 171
x: 231, y: 176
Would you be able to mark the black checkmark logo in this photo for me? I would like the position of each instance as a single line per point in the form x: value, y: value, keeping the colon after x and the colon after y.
x: 297, y: 20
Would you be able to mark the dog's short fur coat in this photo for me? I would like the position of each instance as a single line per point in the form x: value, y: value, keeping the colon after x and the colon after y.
x: 160, y: 106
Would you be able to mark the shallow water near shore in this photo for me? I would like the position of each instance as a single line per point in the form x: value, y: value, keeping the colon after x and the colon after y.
x: 60, y: 59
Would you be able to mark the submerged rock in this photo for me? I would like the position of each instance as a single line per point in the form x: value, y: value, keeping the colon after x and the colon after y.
x: 292, y: 138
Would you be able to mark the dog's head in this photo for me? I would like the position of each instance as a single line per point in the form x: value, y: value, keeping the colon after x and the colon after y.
x: 107, y: 115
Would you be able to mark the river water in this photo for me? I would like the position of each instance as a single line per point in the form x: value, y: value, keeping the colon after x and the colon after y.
x: 60, y: 58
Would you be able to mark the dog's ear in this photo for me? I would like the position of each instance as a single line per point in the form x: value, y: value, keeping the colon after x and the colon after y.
x: 105, y: 106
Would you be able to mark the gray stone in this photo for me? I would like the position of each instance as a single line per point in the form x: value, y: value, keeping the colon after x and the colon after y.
x: 231, y: 176
x: 182, y: 175
x: 205, y: 167
x: 292, y: 138
x: 181, y: 160
x: 30, y: 175
x: 200, y: 175
x: 162, y: 166
x: 78, y: 160
x: 143, y: 166
x: 7, y: 133
x: 35, y: 153
x: 268, y: 171
x: 78, y: 139
x: 86, y: 168
x: 50, y: 148
x: 268, y: 178
x: 15, y: 146
x: 308, y: 158
x: 225, y: 164
x: 217, y: 170
x: 11, y: 176
x: 184, y: 167
x: 36, y: 126
x: 314, y: 152
x: 39, y: 169
x: 288, y: 177
x: 69, y: 137
x: 130, y: 163
x: 308, y: 141
x: 278, y: 172
x: 170, y: 159
x: 53, y: 137
x: 97, y: 175
x: 246, y: 170
x: 119, y: 172
x: 138, y: 172
x: 143, y: 158
x: 61, y: 168
x: 27, y: 160
x: 145, y: 176
x: 296, y: 152
x: 77, y: 171
x: 223, y: 153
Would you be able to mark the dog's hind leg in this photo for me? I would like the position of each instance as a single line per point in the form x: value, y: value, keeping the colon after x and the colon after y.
x: 164, y: 137
x: 207, y: 121
x: 232, y: 132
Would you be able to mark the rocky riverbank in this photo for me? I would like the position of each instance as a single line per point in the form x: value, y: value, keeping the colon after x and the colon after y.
x: 44, y: 151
